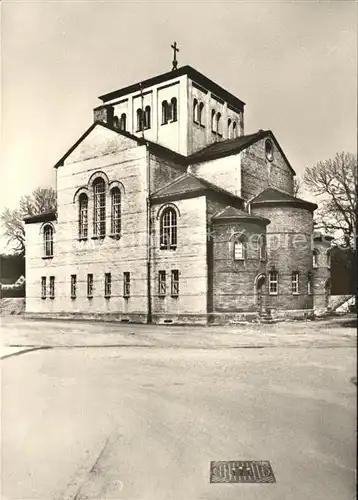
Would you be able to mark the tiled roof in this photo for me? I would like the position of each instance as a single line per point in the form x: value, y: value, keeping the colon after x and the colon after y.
x: 236, y: 213
x: 188, y: 183
x: 221, y: 148
x: 272, y: 195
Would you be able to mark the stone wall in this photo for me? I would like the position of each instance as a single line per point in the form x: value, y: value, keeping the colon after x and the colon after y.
x: 234, y: 280
x: 289, y: 249
x: 189, y: 258
x: 257, y: 173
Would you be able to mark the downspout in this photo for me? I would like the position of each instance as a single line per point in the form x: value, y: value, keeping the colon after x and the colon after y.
x: 149, y: 233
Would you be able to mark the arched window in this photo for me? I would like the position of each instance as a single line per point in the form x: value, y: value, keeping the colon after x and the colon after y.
x: 315, y: 259
x: 115, y: 122
x: 213, y: 112
x: 116, y: 212
x: 218, y: 123
x: 309, y: 283
x: 48, y: 240
x: 234, y: 130
x: 201, y: 113
x: 168, y: 229
x: 165, y: 112
x: 240, y: 248
x: 99, y: 206
x: 139, y: 120
x: 229, y: 128
x: 147, y: 117
x: 328, y: 258
x: 123, y: 122
x: 174, y: 109
x: 269, y: 150
x: 262, y: 247
x: 195, y: 110
x: 83, y: 216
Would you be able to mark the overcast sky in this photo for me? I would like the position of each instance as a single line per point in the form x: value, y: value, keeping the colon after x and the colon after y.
x: 293, y: 63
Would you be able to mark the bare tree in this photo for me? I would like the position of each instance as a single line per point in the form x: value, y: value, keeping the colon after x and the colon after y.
x: 334, y: 183
x: 296, y: 186
x: 41, y: 200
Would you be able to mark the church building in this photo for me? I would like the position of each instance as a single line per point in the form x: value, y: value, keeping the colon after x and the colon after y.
x: 168, y: 212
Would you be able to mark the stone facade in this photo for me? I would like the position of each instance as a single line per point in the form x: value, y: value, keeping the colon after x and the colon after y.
x: 200, y: 279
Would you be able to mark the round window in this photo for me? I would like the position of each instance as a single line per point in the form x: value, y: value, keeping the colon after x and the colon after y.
x: 269, y: 150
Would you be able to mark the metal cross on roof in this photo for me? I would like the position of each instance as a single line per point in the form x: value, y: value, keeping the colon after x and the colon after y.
x: 175, y: 62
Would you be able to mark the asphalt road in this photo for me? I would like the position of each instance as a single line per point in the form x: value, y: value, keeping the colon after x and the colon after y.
x: 139, y: 423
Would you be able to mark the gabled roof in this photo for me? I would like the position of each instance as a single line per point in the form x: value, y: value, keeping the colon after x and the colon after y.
x: 156, y: 148
x: 43, y: 217
x: 192, y: 73
x: 275, y: 196
x: 231, y: 213
x: 189, y: 184
x: 229, y: 147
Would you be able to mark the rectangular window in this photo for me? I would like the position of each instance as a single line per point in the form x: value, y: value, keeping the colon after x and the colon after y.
x: 295, y: 278
x: 273, y: 283
x: 175, y: 283
x: 126, y: 284
x: 52, y: 287
x: 73, y: 286
x: 43, y: 287
x: 89, y: 286
x: 107, y: 284
x: 162, y: 284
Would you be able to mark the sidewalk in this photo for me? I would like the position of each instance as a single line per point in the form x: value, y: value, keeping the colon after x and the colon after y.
x: 20, y: 333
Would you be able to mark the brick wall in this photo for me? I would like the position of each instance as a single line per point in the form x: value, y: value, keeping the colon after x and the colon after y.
x: 233, y: 280
x: 289, y: 248
x: 257, y: 173
x: 321, y: 275
x: 163, y: 171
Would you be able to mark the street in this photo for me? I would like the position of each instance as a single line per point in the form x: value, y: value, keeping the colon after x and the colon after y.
x: 143, y: 416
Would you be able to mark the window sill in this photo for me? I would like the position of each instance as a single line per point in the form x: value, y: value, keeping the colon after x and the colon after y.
x: 161, y: 295
x: 169, y: 122
x: 89, y: 296
x: 315, y: 267
x: 126, y: 297
x: 173, y: 247
x: 101, y: 237
x: 52, y: 298
x: 43, y: 298
x: 82, y: 238
x: 115, y: 236
x: 175, y: 295
x: 239, y: 260
x: 295, y: 294
x: 273, y: 293
x: 46, y: 257
x: 73, y: 297
x: 107, y: 296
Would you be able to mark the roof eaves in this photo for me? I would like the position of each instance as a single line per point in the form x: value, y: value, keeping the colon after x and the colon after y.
x: 42, y: 217
x: 184, y: 70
